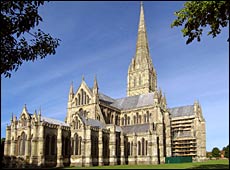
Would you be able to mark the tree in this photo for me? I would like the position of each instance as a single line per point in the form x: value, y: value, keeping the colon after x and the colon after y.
x: 198, y: 14
x: 18, y: 42
x: 216, y: 152
x: 226, y: 152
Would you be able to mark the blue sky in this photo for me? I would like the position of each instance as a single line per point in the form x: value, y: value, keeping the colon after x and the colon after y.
x: 99, y: 38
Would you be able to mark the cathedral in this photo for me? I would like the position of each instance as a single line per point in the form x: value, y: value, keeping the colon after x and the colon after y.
x: 100, y: 130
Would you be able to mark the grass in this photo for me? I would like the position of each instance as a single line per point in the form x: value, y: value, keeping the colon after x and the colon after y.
x: 210, y: 164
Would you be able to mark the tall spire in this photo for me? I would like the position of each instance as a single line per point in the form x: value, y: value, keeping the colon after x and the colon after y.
x: 95, y: 91
x: 95, y: 85
x: 142, y: 47
x: 24, y: 110
x: 71, y: 93
x: 142, y: 78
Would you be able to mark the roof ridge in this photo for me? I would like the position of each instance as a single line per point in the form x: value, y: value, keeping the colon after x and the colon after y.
x: 180, y: 106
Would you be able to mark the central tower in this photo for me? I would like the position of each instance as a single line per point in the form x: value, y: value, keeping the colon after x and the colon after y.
x: 142, y: 77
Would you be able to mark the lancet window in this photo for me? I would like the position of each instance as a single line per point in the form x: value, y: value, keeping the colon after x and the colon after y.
x: 22, y: 144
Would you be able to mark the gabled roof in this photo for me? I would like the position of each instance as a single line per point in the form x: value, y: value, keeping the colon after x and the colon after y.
x: 136, y: 128
x: 182, y: 111
x: 54, y: 121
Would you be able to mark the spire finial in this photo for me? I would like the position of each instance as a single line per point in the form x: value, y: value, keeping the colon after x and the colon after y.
x: 95, y: 85
x: 71, y: 88
x: 141, y: 3
x: 12, y: 117
x: 24, y: 109
x: 83, y: 78
x: 39, y: 111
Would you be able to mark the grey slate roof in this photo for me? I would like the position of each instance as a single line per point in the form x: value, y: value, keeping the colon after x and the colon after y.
x: 128, y: 102
x: 182, y: 111
x: 105, y: 98
x: 136, y: 128
x: 54, y: 121
x: 134, y: 101
x: 91, y: 122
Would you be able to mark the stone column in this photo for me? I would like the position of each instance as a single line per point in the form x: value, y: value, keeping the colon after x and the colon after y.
x: 13, y: 143
x: 59, y: 148
x: 112, y: 146
x: 33, y: 156
x: 100, y: 148
x: 7, y: 141
x: 122, y: 149
x: 160, y: 134
x: 88, y: 158
x: 149, y: 149
x: 135, y: 148
x: 83, y: 148
x: 154, y: 148
x: 28, y: 140
x: 41, y: 158
x: 12, y: 149
x: 168, y: 135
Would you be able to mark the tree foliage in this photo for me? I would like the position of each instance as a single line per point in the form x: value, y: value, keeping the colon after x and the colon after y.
x: 215, y: 152
x: 198, y: 14
x: 18, y: 43
x: 226, y: 152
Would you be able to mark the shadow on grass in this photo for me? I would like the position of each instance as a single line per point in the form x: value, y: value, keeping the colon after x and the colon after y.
x: 211, y: 166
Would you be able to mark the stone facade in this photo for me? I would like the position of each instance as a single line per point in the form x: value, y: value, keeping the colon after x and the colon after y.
x: 99, y: 130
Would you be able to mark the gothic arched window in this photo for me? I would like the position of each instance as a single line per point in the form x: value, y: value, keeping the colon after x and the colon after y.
x: 75, y: 144
x: 139, y: 148
x: 143, y: 146
x: 145, y: 119
x: 139, y: 119
x: 79, y: 99
x: 147, y: 116
x: 146, y: 147
x: 82, y: 97
x: 125, y: 120
x: 128, y: 120
x: 131, y: 148
x: 23, y: 144
x: 79, y: 145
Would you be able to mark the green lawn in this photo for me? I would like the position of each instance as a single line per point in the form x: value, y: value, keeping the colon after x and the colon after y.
x: 211, y: 164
